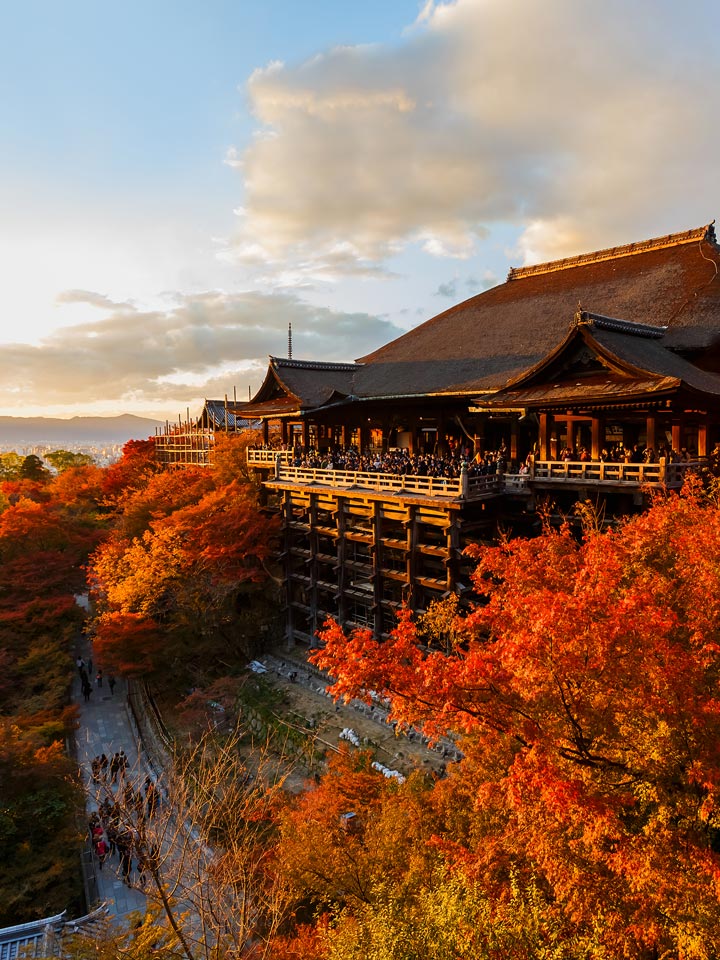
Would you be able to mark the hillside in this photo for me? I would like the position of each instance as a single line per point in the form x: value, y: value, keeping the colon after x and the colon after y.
x: 76, y: 430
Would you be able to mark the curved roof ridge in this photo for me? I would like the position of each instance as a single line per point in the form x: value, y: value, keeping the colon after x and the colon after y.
x: 611, y: 253
x: 312, y: 364
x: 621, y: 326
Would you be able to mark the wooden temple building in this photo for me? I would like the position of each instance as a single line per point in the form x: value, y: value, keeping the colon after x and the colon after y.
x: 546, y: 376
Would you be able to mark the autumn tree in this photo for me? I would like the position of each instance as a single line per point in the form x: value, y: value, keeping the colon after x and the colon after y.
x: 585, y: 694
x: 44, y: 543
x: 198, y: 572
x: 354, y: 831
x: 230, y: 455
x: 133, y: 469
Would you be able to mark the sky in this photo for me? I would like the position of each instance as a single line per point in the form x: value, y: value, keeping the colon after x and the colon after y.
x: 180, y: 179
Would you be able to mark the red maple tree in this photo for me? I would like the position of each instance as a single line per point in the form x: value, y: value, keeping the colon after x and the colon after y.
x: 584, y: 691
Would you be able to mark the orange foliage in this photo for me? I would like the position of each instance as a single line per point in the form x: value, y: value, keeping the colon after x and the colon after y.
x: 127, y: 643
x: 132, y: 469
x: 78, y: 486
x: 585, y: 689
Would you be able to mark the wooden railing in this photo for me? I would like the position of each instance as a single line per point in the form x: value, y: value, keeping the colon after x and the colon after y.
x: 369, y: 480
x: 267, y: 458
x: 479, y: 487
x: 638, y: 474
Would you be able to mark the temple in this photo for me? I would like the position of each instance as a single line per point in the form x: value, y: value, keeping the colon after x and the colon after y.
x: 595, y: 377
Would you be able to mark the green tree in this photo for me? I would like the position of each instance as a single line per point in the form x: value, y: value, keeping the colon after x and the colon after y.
x: 10, y: 464
x: 32, y: 468
x: 63, y: 459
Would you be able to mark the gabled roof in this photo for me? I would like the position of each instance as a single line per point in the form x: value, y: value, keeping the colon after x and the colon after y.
x: 603, y: 359
x: 493, y: 337
x: 310, y: 383
x: 222, y: 415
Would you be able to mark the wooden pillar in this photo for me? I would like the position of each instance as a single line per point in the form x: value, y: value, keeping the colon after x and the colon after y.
x: 452, y: 544
x: 284, y: 431
x: 265, y: 431
x: 479, y: 438
x: 677, y: 434
x: 703, y: 431
x: 651, y: 432
x: 341, y: 555
x: 598, y: 437
x: 413, y: 428
x: 289, y: 625
x: 305, y: 436
x: 377, y: 568
x: 410, y: 556
x: 546, y: 425
x: 441, y: 447
x: 514, y: 439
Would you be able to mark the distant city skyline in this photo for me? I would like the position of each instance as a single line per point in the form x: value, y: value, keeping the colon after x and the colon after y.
x: 181, y: 180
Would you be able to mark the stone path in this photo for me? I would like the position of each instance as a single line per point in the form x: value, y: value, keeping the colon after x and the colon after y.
x: 105, y: 728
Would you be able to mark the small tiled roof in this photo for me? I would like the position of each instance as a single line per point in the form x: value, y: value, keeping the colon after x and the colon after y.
x: 221, y: 415
x: 311, y: 383
x: 276, y: 407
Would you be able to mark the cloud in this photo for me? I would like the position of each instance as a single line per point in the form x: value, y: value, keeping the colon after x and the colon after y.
x: 92, y: 299
x: 582, y: 124
x: 202, y: 345
x: 448, y: 289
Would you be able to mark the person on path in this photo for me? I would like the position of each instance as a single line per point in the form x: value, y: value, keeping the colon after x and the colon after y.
x: 86, y: 690
x: 104, y: 765
x: 99, y: 678
x: 111, y: 684
x: 89, y: 666
x: 151, y: 797
x: 114, y: 767
x: 80, y: 663
x: 123, y: 842
x: 101, y: 851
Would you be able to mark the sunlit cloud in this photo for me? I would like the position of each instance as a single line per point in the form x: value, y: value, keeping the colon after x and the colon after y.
x: 202, y: 345
x: 581, y: 124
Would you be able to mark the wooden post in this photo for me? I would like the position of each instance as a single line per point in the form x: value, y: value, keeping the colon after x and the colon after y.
x: 410, y: 556
x: 677, y: 435
x: 651, y: 432
x: 514, y: 439
x: 544, y: 438
x: 702, y: 450
x: 377, y: 568
x: 598, y: 437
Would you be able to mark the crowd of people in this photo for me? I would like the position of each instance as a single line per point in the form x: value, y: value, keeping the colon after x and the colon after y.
x: 400, y: 461
x: 116, y: 826
x: 637, y: 453
x: 450, y: 465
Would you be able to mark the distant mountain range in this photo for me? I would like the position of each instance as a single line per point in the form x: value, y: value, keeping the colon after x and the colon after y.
x: 100, y: 431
